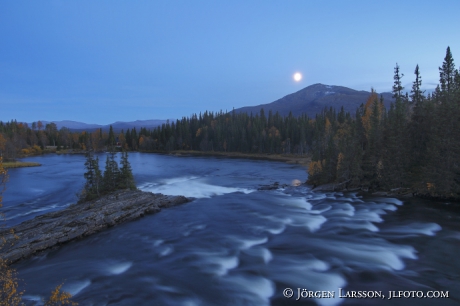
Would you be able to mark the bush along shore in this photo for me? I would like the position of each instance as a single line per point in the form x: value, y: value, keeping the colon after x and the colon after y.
x: 287, y: 158
x: 19, y: 164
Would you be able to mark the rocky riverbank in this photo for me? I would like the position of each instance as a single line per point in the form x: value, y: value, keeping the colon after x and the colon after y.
x: 80, y: 220
x: 342, y: 187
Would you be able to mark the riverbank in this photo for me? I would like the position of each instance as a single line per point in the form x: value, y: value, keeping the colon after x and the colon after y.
x: 81, y: 220
x: 303, y: 160
x: 70, y: 151
x: 287, y: 158
x: 399, y: 193
x: 19, y: 164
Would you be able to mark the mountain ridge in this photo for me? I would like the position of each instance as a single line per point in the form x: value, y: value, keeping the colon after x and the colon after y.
x: 310, y: 100
x: 314, y: 98
x: 117, y: 125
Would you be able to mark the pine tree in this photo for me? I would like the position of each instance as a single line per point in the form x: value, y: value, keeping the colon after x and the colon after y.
x: 126, y: 175
x: 372, y: 123
x: 397, y: 86
x: 89, y: 176
x: 98, y: 187
x: 93, y: 178
x: 416, y: 92
x: 447, y: 75
x: 111, y: 139
x: 443, y: 169
x: 397, y: 153
x: 111, y: 173
x: 107, y: 177
x: 419, y: 130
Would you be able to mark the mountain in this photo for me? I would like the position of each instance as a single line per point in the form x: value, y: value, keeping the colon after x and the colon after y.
x: 310, y: 100
x: 73, y: 125
x: 148, y: 124
x: 117, y: 126
x: 314, y: 98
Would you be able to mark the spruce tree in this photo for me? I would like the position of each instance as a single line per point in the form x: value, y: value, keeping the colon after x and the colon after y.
x: 443, y: 169
x: 108, y: 175
x: 97, y: 177
x: 126, y: 175
x: 397, y: 86
x: 111, y: 139
x: 111, y: 176
x: 447, y: 75
x: 397, y: 136
x: 89, y: 174
x: 93, y: 178
x: 416, y: 92
x: 419, y: 130
x: 375, y: 139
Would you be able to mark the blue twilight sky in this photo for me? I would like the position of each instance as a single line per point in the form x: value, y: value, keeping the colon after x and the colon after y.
x: 107, y: 61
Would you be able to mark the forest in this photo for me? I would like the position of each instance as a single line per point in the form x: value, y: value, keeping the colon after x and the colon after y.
x: 415, y: 144
x: 113, y: 178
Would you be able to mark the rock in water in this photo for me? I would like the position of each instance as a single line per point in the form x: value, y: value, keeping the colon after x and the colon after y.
x: 80, y: 220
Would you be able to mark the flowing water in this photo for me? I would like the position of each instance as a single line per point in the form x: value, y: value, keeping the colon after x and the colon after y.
x: 235, y: 244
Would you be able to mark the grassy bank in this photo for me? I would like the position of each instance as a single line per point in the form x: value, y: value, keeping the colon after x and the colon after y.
x: 70, y: 151
x: 19, y: 164
x: 288, y: 158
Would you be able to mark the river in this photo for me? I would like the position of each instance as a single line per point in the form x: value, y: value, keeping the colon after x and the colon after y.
x: 235, y: 244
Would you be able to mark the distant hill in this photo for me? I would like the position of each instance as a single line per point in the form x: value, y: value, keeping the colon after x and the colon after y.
x: 314, y: 98
x: 148, y: 124
x: 310, y: 100
x: 74, y: 125
x: 117, y: 126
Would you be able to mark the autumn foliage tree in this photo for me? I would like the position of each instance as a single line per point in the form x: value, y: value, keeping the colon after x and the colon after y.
x: 9, y: 293
x: 60, y: 298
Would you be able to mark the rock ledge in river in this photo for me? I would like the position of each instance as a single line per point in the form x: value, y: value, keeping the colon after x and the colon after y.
x: 80, y: 220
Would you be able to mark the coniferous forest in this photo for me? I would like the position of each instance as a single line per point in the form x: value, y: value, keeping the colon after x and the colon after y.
x: 113, y: 178
x: 415, y: 144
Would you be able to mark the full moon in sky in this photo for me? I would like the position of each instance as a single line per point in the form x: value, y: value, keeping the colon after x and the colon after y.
x: 297, y: 76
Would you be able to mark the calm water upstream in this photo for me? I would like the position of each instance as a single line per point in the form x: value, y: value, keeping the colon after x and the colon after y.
x: 235, y: 245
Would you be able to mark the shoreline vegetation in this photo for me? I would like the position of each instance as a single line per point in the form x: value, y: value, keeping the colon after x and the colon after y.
x: 19, y: 164
x: 302, y: 160
x: 287, y: 158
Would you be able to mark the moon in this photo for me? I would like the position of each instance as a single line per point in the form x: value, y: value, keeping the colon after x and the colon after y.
x: 297, y: 76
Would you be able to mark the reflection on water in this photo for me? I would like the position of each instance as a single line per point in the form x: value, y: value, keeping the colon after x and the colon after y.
x: 236, y: 245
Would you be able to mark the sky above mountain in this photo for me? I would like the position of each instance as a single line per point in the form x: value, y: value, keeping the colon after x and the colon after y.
x: 106, y: 61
